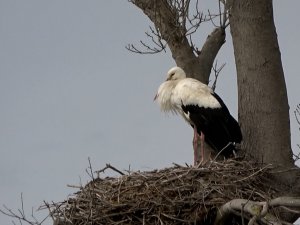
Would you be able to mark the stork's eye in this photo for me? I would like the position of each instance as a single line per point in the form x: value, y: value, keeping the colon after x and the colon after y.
x: 170, y: 76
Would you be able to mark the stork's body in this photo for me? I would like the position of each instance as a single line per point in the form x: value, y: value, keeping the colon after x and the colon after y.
x: 202, y: 108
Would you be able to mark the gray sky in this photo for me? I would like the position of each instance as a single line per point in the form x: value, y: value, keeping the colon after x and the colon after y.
x: 70, y: 90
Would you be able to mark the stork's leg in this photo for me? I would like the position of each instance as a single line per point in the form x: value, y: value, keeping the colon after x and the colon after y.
x: 202, y: 146
x: 195, y: 146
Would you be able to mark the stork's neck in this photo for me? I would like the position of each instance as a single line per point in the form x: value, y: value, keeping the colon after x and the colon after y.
x: 164, y: 95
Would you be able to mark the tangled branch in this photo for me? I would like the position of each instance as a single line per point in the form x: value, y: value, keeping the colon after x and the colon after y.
x: 176, y: 195
x: 297, y: 116
x: 216, y: 71
x: 156, y: 39
x: 257, y: 211
x: 185, y: 18
x: 212, y: 194
x: 21, y: 216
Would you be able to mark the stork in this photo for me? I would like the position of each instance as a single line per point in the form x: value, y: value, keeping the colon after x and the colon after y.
x: 203, y: 109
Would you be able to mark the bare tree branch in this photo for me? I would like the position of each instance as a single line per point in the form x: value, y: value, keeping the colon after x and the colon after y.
x: 108, y: 166
x: 159, y: 44
x: 297, y: 114
x: 175, y: 23
x: 20, y: 215
x: 257, y: 211
x: 216, y: 73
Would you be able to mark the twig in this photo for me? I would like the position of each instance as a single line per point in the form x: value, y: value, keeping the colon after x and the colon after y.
x: 216, y: 73
x: 297, y: 113
x: 254, y: 174
x: 89, y: 171
x: 108, y: 166
x: 20, y: 215
x: 176, y: 194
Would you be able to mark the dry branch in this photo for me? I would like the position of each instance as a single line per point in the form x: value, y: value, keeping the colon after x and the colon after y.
x: 217, y: 71
x: 256, y: 210
x: 21, y: 216
x: 175, y: 21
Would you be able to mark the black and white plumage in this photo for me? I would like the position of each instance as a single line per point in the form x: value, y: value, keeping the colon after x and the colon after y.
x: 201, y: 107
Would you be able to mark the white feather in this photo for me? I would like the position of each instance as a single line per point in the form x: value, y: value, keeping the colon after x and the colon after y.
x: 163, y: 96
x: 178, y: 90
x: 189, y: 91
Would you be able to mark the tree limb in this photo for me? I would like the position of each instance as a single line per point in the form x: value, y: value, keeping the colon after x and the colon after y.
x: 256, y: 211
x: 21, y: 216
x: 170, y: 20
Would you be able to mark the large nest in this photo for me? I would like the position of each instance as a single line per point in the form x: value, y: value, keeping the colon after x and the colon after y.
x: 176, y: 195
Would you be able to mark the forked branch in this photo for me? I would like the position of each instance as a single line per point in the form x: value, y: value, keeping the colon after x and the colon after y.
x: 216, y: 71
x: 156, y: 40
x: 257, y: 211
x: 21, y: 216
x: 297, y: 116
x: 175, y: 22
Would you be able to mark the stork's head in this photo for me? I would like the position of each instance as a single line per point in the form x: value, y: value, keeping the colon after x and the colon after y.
x: 176, y: 73
x: 165, y: 89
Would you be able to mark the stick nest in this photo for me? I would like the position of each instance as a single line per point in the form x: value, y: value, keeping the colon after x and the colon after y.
x: 176, y: 195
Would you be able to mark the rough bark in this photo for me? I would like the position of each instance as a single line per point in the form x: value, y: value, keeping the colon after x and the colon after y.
x: 262, y: 98
x: 263, y: 103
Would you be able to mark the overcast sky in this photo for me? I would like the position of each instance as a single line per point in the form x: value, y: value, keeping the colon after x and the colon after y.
x: 70, y: 90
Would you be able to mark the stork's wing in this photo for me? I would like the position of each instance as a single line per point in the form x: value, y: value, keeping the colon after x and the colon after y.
x: 192, y: 92
x: 218, y: 126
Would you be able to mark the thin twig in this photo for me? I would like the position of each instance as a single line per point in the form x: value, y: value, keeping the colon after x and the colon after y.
x: 108, y: 166
x: 216, y: 73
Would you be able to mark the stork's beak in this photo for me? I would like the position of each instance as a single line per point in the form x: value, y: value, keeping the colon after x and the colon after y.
x: 155, y: 97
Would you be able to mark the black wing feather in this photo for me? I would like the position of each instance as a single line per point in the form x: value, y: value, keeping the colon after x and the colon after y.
x: 218, y: 126
x: 233, y: 125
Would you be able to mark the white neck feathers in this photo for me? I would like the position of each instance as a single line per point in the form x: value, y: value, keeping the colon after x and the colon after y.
x: 164, y: 94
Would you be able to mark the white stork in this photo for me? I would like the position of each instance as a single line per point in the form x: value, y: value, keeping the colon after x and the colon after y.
x: 203, y: 109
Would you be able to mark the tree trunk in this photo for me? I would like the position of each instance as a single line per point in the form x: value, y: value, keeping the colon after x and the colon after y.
x: 263, y: 103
